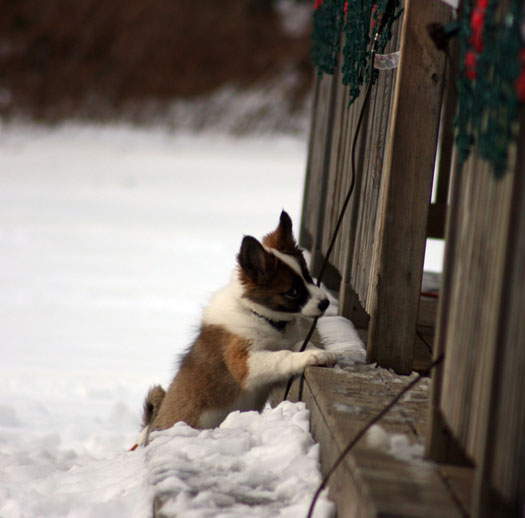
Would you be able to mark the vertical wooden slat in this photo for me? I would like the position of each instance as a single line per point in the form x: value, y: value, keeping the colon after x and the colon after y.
x: 357, y: 234
x: 335, y: 178
x: 314, y: 200
x: 372, y: 206
x: 406, y: 187
x: 477, y: 405
x: 499, y: 488
x: 477, y: 397
x: 312, y: 173
x: 476, y: 290
x: 441, y: 446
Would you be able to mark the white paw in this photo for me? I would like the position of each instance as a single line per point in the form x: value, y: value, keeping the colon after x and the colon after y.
x: 320, y: 357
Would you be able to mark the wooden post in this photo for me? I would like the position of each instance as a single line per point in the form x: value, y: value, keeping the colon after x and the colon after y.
x: 406, y: 188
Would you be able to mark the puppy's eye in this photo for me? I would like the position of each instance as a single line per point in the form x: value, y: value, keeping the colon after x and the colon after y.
x: 292, y: 293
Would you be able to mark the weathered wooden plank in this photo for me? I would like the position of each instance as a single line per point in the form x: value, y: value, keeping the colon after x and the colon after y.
x: 405, y: 190
x: 348, y: 121
x: 369, y: 146
x: 334, y: 178
x: 477, y: 275
x: 312, y: 173
x: 370, y: 482
x: 477, y: 402
x: 358, y: 229
x: 371, y: 206
x: 500, y: 479
x: 314, y: 200
x: 440, y: 445
x: 484, y: 238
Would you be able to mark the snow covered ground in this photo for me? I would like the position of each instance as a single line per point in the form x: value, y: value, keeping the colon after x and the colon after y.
x: 111, y: 241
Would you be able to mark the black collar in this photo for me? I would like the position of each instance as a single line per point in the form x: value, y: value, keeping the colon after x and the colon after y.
x: 279, y: 325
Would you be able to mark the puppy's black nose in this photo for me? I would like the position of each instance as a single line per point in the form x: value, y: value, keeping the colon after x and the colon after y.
x: 323, y: 304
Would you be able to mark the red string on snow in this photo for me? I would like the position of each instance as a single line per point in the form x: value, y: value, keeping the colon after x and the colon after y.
x: 134, y: 447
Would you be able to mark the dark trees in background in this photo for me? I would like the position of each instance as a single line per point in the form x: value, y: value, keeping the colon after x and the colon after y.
x: 58, y: 54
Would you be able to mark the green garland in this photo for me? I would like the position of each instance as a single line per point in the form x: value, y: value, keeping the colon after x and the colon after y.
x: 326, y: 37
x: 386, y: 34
x: 356, y: 51
x: 487, y: 87
x: 360, y: 29
x: 359, y: 21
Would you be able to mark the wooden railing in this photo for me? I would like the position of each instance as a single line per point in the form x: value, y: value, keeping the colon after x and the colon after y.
x: 377, y: 262
x: 477, y: 415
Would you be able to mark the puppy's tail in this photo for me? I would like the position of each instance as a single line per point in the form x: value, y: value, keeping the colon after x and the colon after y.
x: 149, y: 412
x: 152, y: 404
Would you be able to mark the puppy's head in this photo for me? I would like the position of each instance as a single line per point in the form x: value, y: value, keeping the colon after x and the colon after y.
x: 274, y: 274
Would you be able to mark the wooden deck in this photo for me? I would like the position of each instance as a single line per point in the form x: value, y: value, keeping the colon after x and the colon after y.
x: 372, y: 482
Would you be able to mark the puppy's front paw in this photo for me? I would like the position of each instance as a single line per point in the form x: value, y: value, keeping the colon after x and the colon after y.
x: 320, y: 357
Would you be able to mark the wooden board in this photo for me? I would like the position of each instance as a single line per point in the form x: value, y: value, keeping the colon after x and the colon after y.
x: 405, y: 189
x: 371, y: 482
x: 477, y: 404
x: 314, y: 198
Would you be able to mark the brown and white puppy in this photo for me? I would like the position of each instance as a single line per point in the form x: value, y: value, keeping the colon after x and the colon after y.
x: 245, y: 342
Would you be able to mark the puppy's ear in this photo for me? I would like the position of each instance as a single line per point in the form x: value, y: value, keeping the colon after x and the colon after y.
x: 282, y: 237
x: 285, y: 222
x: 285, y: 227
x: 255, y: 261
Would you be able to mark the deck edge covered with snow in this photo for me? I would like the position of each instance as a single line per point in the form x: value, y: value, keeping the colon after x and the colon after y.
x: 385, y: 474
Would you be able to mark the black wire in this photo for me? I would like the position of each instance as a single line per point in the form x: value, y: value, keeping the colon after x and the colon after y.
x: 365, y: 428
x: 428, y: 346
x: 352, y: 184
x: 337, y: 228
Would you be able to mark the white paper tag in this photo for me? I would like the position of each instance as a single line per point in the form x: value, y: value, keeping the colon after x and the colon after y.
x: 386, y: 61
x: 453, y: 3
